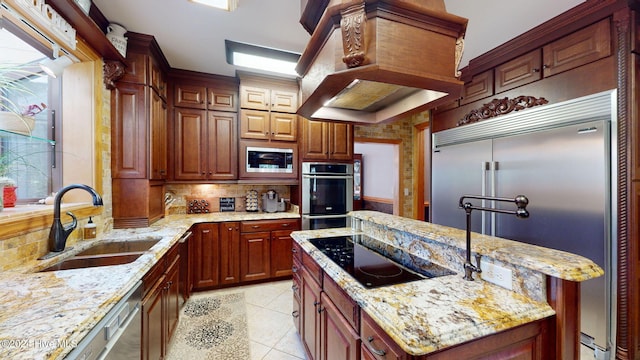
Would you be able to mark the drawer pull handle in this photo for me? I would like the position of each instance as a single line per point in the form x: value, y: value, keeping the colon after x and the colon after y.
x: 320, y: 309
x: 375, y: 351
x: 316, y: 303
x: 294, y: 288
x: 256, y: 226
x: 286, y: 225
x: 295, y: 314
x: 294, y: 250
x: 294, y: 269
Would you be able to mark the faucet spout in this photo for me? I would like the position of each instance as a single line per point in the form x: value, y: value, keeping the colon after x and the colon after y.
x: 521, y: 202
x: 59, y: 233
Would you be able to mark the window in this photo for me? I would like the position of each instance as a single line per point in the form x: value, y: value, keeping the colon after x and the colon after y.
x: 29, y: 158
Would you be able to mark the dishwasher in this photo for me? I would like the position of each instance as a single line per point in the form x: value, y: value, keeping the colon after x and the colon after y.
x: 118, y: 334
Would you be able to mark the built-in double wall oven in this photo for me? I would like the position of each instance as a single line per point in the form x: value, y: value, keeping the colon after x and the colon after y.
x: 327, y: 195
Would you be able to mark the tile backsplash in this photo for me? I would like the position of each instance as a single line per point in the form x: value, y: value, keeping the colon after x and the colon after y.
x: 182, y: 193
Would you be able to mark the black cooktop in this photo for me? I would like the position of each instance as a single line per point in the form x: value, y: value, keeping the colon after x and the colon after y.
x: 369, y: 268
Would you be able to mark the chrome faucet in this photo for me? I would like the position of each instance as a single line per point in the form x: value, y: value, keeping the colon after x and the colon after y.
x: 59, y: 233
x: 521, y: 202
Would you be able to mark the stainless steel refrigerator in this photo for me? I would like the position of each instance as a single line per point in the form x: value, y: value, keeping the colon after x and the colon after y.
x: 560, y: 157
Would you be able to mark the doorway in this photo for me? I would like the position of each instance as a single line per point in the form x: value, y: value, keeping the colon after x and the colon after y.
x: 381, y: 174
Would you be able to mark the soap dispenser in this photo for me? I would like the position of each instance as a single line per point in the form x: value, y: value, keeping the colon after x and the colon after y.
x: 90, y: 230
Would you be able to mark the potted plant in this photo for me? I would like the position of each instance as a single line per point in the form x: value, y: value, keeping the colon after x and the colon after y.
x: 13, y: 116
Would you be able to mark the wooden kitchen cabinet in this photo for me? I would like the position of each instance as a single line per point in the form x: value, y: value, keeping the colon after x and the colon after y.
x: 254, y: 256
x: 206, y: 146
x: 229, y: 253
x: 480, y: 87
x: 186, y: 261
x: 139, y: 135
x: 338, y: 340
x: 206, y: 243
x: 326, y: 141
x: 310, y: 319
x: 579, y: 48
x: 265, y: 250
x: 261, y: 125
x: 160, y: 305
x: 519, y: 71
x: 203, y: 97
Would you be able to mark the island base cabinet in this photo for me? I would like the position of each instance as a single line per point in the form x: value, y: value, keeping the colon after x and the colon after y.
x: 338, y: 340
x: 310, y: 321
x: 526, y: 342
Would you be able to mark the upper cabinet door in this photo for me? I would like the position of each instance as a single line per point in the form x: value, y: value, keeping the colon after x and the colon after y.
x: 519, y: 71
x: 284, y: 101
x: 581, y: 47
x: 254, y: 98
x: 221, y: 100
x: 191, y: 96
x: 254, y: 124
x: 190, y: 143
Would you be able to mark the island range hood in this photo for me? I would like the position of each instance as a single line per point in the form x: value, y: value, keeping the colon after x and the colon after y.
x: 370, y: 61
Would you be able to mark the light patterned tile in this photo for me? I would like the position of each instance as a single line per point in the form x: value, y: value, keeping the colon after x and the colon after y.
x: 258, y: 351
x: 279, y: 355
x: 266, y: 326
x: 291, y: 344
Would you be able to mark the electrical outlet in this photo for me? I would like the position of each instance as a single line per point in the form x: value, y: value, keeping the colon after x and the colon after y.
x: 497, y: 274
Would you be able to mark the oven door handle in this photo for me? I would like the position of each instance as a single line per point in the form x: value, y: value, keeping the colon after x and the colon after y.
x: 327, y: 177
x: 324, y: 216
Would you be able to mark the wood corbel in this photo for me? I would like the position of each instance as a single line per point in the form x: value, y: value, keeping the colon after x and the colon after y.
x: 112, y: 71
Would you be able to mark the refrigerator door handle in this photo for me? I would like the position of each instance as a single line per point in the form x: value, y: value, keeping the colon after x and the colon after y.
x: 483, y: 217
x: 493, y: 169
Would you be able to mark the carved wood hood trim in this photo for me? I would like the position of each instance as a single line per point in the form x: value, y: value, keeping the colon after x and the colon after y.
x: 499, y: 107
x: 412, y: 46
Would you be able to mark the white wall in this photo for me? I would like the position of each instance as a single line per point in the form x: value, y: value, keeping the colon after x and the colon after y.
x: 380, y: 165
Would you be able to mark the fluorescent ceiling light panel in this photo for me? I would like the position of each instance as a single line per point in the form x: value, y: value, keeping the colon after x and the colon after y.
x: 228, y: 5
x: 261, y: 58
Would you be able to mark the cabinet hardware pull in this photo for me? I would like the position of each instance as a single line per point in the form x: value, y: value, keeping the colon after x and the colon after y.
x: 294, y: 250
x: 320, y: 310
x: 294, y: 288
x: 374, y: 350
x: 286, y: 225
x: 294, y: 269
x: 295, y: 314
x: 256, y: 226
x: 535, y: 70
x: 545, y: 66
x: 316, y: 303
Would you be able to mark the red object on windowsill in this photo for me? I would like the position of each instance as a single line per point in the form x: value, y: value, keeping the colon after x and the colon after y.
x: 9, y: 195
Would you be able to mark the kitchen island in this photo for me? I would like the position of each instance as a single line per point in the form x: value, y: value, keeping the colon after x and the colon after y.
x: 428, y: 317
x: 45, y: 315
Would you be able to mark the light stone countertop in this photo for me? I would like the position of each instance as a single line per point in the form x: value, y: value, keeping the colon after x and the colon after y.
x: 44, y: 315
x: 428, y: 315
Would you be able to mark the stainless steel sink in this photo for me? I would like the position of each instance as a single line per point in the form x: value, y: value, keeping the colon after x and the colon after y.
x: 88, y: 262
x: 119, y: 247
x: 107, y: 253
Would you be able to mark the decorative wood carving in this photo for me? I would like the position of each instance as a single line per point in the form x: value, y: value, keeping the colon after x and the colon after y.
x: 458, y: 55
x: 627, y: 277
x: 353, y: 24
x: 113, y: 70
x: 500, y: 107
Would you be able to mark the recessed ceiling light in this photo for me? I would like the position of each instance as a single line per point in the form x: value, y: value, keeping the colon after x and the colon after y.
x: 228, y: 5
x: 261, y: 58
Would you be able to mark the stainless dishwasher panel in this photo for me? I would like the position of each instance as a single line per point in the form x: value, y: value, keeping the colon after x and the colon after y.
x: 118, y: 334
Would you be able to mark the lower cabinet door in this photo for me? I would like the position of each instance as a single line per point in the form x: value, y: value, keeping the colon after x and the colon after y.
x: 339, y: 341
x: 281, y: 256
x: 172, y: 284
x: 310, y: 324
x: 254, y: 254
x: 153, y: 323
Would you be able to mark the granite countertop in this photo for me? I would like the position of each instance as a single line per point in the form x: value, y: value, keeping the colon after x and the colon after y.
x: 428, y: 315
x: 43, y: 315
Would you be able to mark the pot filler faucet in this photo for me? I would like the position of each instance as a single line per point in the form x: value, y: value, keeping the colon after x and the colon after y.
x: 521, y: 202
x: 59, y: 233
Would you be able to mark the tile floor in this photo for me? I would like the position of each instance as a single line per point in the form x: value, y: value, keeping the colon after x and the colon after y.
x: 271, y: 331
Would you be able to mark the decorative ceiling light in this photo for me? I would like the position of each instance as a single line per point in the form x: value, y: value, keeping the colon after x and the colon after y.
x: 261, y: 58
x: 228, y: 5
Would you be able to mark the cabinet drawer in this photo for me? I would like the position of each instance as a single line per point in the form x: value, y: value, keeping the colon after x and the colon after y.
x: 153, y: 275
x: 312, y: 268
x: 347, y: 307
x: 377, y: 342
x: 267, y: 225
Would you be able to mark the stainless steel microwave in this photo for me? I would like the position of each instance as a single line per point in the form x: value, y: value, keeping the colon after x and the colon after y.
x: 269, y: 160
